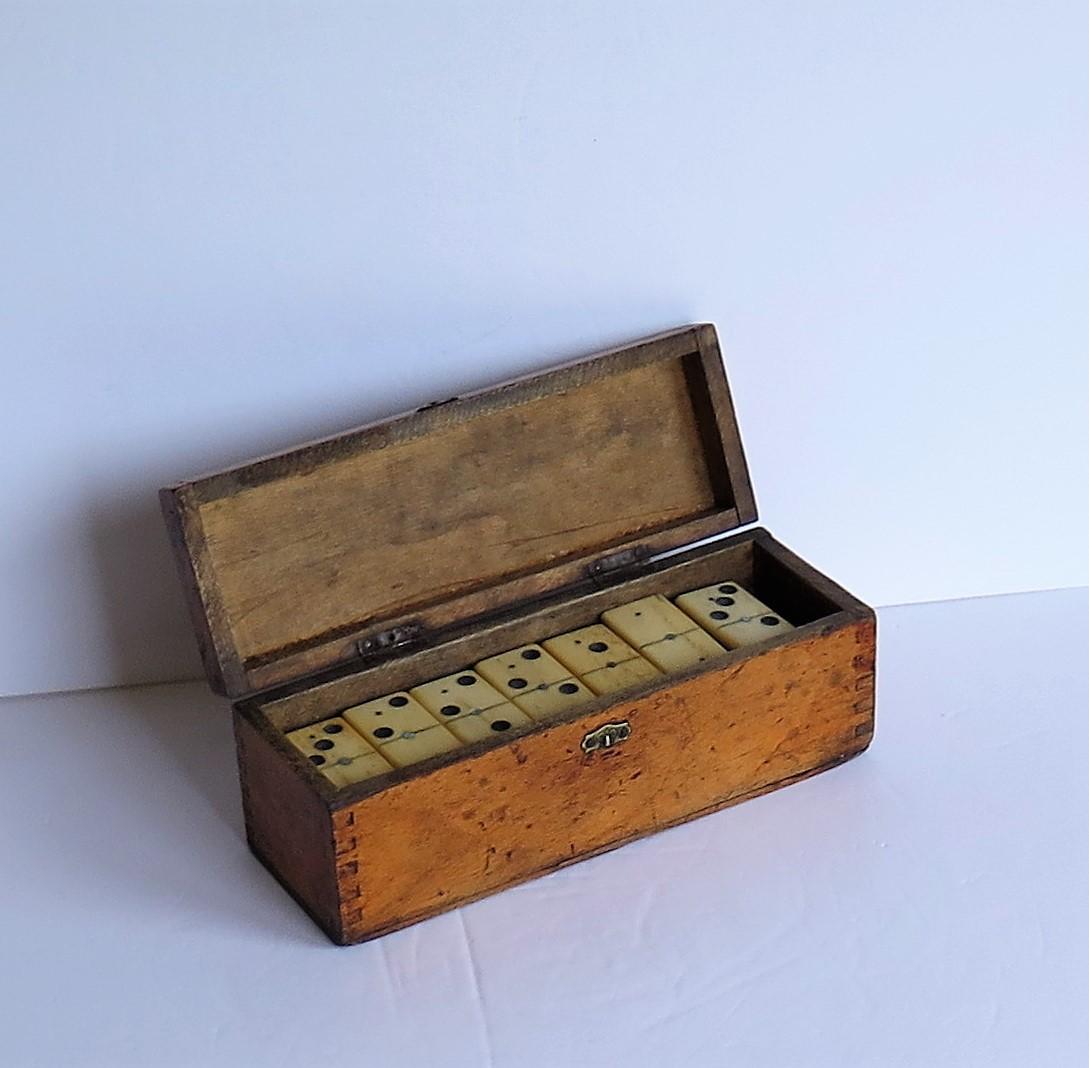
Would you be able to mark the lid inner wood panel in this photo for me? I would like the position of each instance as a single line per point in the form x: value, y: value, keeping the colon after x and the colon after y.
x: 374, y: 535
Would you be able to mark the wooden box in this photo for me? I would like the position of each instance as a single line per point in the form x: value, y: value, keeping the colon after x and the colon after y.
x: 402, y: 551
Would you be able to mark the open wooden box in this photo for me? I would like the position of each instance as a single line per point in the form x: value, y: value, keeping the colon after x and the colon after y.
x: 406, y: 550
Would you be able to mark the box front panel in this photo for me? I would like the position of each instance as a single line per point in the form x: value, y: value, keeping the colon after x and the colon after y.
x: 473, y: 827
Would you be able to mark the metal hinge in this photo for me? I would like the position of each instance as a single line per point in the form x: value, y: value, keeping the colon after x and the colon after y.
x: 617, y: 566
x: 387, y: 642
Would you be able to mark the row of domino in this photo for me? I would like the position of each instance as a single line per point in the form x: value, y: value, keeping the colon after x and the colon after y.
x: 636, y: 642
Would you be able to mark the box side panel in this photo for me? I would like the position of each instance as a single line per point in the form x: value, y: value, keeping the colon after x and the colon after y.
x: 288, y: 825
x: 471, y: 828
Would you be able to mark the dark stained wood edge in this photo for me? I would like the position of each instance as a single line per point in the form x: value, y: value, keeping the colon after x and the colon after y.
x: 289, y: 827
x: 735, y: 465
x: 217, y: 651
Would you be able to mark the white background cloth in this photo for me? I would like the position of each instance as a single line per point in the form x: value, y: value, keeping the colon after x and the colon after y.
x: 231, y: 227
x: 923, y: 905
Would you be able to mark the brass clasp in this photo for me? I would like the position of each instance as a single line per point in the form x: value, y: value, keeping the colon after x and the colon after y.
x: 606, y: 736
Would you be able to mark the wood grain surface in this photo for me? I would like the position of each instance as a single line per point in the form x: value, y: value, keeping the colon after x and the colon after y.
x: 519, y: 810
x: 459, y: 509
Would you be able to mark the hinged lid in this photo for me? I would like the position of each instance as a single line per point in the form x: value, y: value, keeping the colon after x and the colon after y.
x: 378, y: 538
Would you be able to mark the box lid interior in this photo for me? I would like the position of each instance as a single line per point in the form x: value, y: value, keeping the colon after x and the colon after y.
x: 459, y: 510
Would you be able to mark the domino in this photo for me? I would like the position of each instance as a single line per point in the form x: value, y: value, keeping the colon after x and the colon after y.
x: 732, y: 614
x: 338, y: 752
x: 489, y: 723
x: 535, y: 681
x: 663, y: 634
x: 469, y: 707
x: 603, y: 660
x: 401, y: 729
